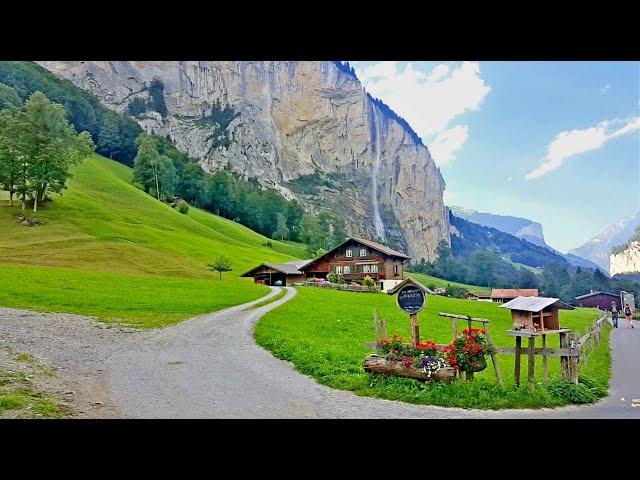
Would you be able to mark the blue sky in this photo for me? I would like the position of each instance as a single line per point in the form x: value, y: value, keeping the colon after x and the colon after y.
x: 555, y: 142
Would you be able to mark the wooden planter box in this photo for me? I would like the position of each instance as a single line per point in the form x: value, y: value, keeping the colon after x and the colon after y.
x: 379, y: 365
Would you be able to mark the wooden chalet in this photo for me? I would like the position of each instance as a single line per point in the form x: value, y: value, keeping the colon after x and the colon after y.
x: 601, y: 300
x: 536, y: 314
x: 357, y: 257
x: 501, y: 295
x: 277, y: 274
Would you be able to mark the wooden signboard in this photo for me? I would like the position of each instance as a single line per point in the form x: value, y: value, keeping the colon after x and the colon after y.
x: 411, y: 299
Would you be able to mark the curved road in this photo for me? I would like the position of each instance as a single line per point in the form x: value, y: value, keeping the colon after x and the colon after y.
x: 210, y: 367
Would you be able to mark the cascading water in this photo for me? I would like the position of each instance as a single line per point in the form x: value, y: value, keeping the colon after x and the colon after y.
x: 374, y: 178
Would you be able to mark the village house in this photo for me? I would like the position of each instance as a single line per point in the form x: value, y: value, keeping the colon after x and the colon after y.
x: 354, y: 259
x: 601, y: 300
x: 501, y: 295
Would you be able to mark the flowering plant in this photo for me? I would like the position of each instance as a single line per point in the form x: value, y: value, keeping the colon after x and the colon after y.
x: 367, y: 281
x: 468, y: 349
x: 430, y: 364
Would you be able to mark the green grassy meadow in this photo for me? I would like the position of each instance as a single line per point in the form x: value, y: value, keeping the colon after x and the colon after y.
x: 109, y: 250
x: 440, y: 283
x: 329, y: 345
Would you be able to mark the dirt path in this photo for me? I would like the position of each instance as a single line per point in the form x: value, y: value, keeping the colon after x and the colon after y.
x: 210, y: 367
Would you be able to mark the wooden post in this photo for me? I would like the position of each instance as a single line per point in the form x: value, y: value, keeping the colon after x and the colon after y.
x: 383, y: 328
x: 415, y: 328
x: 454, y: 329
x: 469, y: 376
x: 532, y: 362
x: 545, y: 363
x: 575, y: 366
x: 494, y: 360
x: 376, y: 323
x: 517, y: 368
x: 564, y: 361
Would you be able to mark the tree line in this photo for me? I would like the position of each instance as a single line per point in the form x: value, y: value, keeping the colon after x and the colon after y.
x: 484, y: 268
x: 38, y: 146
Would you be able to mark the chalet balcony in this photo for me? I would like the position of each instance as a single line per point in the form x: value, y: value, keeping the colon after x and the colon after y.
x: 358, y: 276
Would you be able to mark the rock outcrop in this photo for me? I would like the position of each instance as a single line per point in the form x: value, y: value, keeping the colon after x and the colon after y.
x: 627, y: 261
x: 290, y: 120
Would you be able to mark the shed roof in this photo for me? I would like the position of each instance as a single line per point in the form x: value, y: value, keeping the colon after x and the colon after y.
x: 534, y: 304
x: 513, y: 292
x: 409, y: 281
x: 592, y: 294
x: 286, y: 268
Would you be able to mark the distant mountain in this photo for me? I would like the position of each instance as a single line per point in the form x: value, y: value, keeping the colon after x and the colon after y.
x: 467, y: 236
x: 522, y: 228
x: 516, y: 226
x: 599, y: 248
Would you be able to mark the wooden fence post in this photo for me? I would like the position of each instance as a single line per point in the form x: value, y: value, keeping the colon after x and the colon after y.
x: 545, y: 362
x: 531, y: 367
x: 564, y: 361
x: 517, y: 367
x: 494, y: 360
x: 376, y: 323
x: 575, y: 365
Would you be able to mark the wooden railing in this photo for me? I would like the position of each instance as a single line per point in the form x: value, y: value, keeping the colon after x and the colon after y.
x: 343, y: 286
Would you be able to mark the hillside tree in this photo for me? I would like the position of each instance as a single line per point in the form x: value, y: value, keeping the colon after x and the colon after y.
x: 221, y: 264
x: 153, y: 171
x: 282, y: 231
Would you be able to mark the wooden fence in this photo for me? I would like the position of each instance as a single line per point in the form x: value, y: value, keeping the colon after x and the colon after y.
x: 573, y: 349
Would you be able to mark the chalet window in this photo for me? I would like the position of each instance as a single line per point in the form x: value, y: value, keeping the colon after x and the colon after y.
x: 374, y: 268
x: 347, y: 269
x: 363, y: 252
x: 395, y: 269
x: 365, y: 268
x: 349, y: 253
x: 338, y: 268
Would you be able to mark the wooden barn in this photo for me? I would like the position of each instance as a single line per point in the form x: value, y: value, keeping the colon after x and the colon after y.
x: 357, y: 257
x: 277, y: 274
x: 536, y: 313
x: 501, y: 295
x: 601, y: 300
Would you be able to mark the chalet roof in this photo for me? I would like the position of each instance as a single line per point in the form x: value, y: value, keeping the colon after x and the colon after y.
x: 410, y: 281
x: 513, y: 292
x: 369, y: 243
x: 286, y: 268
x: 592, y: 294
x: 377, y: 246
x: 534, y: 304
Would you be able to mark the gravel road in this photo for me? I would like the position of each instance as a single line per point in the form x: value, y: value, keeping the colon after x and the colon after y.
x: 210, y: 367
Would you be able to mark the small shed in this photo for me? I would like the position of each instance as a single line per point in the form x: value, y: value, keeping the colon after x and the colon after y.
x: 601, y: 300
x: 535, y: 313
x: 277, y: 274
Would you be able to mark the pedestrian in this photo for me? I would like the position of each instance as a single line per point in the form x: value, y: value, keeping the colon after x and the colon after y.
x: 627, y: 313
x: 614, y: 314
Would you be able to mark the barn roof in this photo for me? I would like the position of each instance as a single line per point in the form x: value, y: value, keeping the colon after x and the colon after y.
x: 377, y: 246
x: 534, y: 304
x: 513, y: 292
x: 593, y: 294
x: 286, y: 268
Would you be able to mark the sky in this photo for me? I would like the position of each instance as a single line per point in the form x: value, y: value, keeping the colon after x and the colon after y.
x: 554, y: 142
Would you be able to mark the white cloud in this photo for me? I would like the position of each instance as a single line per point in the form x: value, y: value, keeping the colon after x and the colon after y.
x: 573, y: 142
x: 605, y: 89
x: 509, y: 179
x: 429, y: 101
x: 447, y: 143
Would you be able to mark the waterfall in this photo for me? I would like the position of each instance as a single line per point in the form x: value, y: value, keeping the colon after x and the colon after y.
x: 374, y: 177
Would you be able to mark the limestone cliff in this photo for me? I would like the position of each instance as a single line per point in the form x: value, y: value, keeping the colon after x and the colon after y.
x: 290, y: 120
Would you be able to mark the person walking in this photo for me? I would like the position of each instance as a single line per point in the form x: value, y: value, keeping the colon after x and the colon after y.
x: 614, y: 314
x: 627, y: 313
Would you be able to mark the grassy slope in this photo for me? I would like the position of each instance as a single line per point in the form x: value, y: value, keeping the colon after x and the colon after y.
x: 440, y: 283
x: 328, y: 344
x: 110, y: 250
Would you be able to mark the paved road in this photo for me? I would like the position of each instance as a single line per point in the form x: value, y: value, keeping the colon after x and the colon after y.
x: 210, y: 367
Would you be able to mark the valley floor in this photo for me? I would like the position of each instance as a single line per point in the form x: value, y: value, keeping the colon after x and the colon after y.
x: 210, y: 367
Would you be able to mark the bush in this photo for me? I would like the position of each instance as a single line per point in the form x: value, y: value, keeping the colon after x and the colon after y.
x: 587, y: 391
x: 183, y: 207
x: 267, y: 244
x: 367, y: 281
x: 332, y: 278
x: 340, y: 278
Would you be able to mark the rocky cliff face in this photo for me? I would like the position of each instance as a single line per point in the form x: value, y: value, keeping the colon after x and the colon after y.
x: 627, y: 261
x: 291, y: 119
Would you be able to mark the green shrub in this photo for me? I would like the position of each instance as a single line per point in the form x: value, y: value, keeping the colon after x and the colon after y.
x: 267, y: 244
x: 332, y: 277
x: 340, y: 278
x: 587, y: 391
x: 183, y: 207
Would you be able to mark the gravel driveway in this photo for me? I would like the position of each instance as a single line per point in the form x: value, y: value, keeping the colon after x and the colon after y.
x: 210, y: 367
